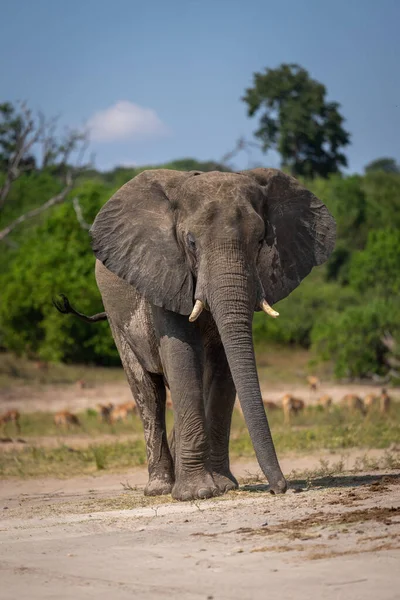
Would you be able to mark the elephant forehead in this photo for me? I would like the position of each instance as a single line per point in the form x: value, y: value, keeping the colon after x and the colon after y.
x: 224, y: 187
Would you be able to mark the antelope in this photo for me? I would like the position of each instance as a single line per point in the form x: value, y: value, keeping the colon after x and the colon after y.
x: 121, y: 412
x: 168, y: 402
x: 353, y: 403
x: 65, y: 418
x: 291, y: 405
x: 370, y: 401
x: 384, y: 402
x: 269, y: 405
x: 11, y: 416
x: 313, y: 382
x: 41, y: 365
x: 131, y: 407
x: 325, y: 401
x: 104, y: 411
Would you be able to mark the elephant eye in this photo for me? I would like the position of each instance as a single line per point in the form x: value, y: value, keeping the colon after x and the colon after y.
x: 191, y: 241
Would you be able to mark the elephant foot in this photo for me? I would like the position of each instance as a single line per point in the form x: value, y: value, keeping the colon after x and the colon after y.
x: 159, y: 484
x: 225, y: 482
x: 195, y: 486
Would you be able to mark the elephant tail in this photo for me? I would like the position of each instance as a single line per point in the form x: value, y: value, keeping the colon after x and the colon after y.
x: 63, y: 306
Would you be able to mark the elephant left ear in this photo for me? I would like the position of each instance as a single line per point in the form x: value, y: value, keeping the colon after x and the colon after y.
x: 300, y: 232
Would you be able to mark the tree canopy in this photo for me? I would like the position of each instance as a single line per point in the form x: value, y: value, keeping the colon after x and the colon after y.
x: 387, y: 165
x: 298, y: 121
x: 345, y: 310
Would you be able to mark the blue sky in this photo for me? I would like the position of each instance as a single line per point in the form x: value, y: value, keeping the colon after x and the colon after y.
x: 160, y: 80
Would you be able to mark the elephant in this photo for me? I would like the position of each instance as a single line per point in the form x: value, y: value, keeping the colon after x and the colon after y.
x: 183, y: 259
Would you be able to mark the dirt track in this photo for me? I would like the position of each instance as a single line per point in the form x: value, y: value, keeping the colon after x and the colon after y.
x: 92, y: 538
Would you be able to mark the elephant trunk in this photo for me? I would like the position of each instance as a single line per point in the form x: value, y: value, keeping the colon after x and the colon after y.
x: 231, y: 302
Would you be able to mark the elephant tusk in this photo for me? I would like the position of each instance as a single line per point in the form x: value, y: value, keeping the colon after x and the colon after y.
x: 197, y: 310
x: 268, y: 309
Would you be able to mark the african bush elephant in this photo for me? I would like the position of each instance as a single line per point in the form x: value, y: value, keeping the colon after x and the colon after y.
x: 213, y: 247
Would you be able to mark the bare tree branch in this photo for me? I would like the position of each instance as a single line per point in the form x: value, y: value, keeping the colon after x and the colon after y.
x: 79, y: 214
x: 241, y: 145
x: 25, y: 139
x: 58, y: 199
x: 26, y: 132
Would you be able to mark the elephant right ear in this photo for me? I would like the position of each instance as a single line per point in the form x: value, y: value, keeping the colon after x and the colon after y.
x: 134, y: 236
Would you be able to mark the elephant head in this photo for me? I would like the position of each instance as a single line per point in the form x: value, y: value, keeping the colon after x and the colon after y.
x: 231, y: 242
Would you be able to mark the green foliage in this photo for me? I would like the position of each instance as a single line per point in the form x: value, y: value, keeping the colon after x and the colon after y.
x: 12, y: 123
x: 310, y: 303
x: 382, y: 196
x: 353, y: 337
x: 57, y: 257
x: 387, y: 165
x: 343, y: 309
x: 298, y: 121
x: 27, y: 192
x: 376, y: 270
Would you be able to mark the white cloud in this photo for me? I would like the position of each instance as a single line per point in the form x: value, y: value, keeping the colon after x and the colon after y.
x: 125, y: 120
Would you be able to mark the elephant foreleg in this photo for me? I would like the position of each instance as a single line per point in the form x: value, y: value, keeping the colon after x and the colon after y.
x: 219, y: 398
x: 181, y: 355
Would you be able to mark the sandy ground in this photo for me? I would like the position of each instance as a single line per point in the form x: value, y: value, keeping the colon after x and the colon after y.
x: 93, y: 537
x: 98, y: 537
x: 68, y: 397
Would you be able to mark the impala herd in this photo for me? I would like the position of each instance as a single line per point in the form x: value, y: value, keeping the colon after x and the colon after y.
x: 289, y: 404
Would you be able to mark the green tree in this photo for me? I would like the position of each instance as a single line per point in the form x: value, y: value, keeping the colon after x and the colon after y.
x: 12, y: 126
x: 387, y: 165
x: 354, y: 337
x: 376, y: 270
x: 56, y: 257
x: 298, y: 121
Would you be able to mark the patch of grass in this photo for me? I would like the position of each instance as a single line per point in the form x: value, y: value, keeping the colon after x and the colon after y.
x: 277, y: 363
x: 320, y: 430
x: 19, y: 371
x: 64, y: 462
x: 42, y: 424
x: 324, y: 469
x: 312, y: 431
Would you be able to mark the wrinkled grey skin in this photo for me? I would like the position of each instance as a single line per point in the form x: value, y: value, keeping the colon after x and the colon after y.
x: 168, y: 238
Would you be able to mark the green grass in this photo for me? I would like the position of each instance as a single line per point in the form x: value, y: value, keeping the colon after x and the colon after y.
x: 42, y: 424
x: 313, y: 431
x: 319, y: 430
x: 64, y: 462
x: 21, y: 371
x: 275, y: 362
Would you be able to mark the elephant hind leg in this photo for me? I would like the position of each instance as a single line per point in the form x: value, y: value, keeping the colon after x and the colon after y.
x: 148, y: 390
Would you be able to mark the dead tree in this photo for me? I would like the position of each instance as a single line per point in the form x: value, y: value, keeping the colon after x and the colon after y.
x: 21, y: 133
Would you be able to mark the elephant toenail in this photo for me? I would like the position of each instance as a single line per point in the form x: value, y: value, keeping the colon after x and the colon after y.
x: 204, y: 493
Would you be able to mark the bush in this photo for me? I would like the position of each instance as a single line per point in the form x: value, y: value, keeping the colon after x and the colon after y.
x: 313, y: 301
x: 376, y: 270
x: 353, y: 338
x: 58, y: 258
